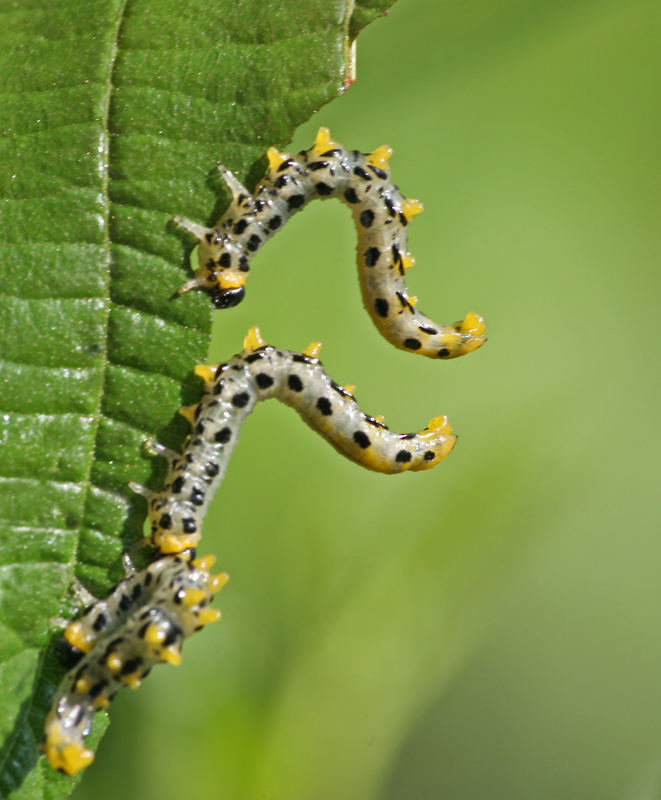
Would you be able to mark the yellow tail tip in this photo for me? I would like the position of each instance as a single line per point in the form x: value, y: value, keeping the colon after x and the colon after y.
x: 70, y: 759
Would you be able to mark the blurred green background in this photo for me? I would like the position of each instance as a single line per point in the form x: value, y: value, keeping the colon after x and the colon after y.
x: 488, y: 629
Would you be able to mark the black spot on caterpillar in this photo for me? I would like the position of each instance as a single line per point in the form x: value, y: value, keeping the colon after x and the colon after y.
x: 143, y: 622
x: 381, y: 215
x: 298, y: 380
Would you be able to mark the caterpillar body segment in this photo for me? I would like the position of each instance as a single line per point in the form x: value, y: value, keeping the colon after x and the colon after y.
x: 381, y: 215
x: 299, y: 380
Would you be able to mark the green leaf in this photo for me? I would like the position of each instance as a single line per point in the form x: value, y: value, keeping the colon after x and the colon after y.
x: 114, y: 115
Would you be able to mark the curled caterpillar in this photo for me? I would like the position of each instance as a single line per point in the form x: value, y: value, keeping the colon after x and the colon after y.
x: 298, y: 380
x: 381, y: 215
x: 143, y: 622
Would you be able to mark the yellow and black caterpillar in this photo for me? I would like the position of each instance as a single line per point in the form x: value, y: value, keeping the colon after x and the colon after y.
x: 232, y: 389
x: 143, y: 622
x: 381, y: 215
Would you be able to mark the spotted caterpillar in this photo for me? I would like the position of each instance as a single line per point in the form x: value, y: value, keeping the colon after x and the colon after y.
x: 298, y: 380
x: 381, y: 215
x: 143, y: 622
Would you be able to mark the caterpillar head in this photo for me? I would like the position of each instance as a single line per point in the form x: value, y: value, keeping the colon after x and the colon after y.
x: 222, y: 266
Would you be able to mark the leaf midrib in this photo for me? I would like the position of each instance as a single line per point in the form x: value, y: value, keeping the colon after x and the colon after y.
x: 86, y: 482
x: 104, y: 151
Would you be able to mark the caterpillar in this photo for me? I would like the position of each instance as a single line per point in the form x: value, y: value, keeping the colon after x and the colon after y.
x: 143, y: 622
x: 381, y: 215
x: 232, y: 389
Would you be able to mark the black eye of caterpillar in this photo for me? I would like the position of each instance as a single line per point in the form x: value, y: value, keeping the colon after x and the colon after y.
x: 227, y: 298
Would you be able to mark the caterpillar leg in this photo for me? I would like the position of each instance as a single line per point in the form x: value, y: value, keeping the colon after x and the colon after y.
x: 129, y: 566
x: 240, y: 195
x: 155, y: 448
x: 83, y: 595
x: 200, y: 232
x: 138, y: 488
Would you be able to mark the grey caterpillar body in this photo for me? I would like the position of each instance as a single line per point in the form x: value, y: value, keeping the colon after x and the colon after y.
x: 381, y: 216
x: 233, y: 388
x: 143, y: 622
